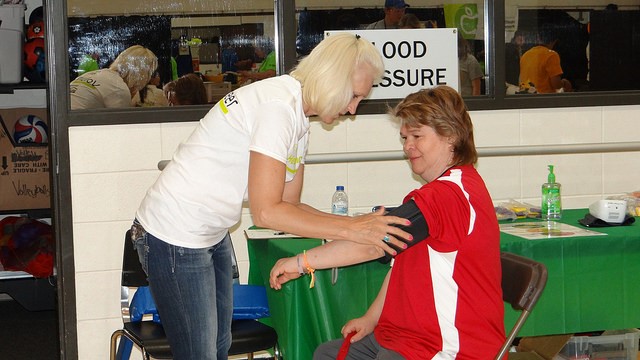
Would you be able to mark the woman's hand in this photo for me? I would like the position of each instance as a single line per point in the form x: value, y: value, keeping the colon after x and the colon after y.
x: 362, y: 327
x: 376, y: 229
x: 284, y: 270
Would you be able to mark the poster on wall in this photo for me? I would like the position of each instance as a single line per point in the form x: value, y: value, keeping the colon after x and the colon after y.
x: 414, y: 59
x: 465, y: 18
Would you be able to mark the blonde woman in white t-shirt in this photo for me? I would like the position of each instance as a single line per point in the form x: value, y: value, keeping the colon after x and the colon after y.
x: 250, y: 147
x: 116, y: 86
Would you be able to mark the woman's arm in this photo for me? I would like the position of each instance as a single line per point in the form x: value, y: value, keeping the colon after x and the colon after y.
x: 476, y: 86
x: 332, y: 254
x: 257, y: 75
x: 277, y: 206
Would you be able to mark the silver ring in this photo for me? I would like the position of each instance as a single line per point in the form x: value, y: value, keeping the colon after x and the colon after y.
x: 386, y: 238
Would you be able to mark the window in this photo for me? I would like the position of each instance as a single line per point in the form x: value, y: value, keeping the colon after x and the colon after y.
x: 589, y: 35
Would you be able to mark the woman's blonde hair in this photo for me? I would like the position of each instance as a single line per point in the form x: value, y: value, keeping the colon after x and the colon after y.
x: 326, y: 74
x: 135, y: 65
x: 442, y: 109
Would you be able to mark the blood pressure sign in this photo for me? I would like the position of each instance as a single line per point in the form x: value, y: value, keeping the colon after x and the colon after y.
x: 414, y: 59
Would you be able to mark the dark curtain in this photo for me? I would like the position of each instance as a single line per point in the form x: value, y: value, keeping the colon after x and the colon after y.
x: 313, y: 23
x: 615, y: 50
x: 107, y: 36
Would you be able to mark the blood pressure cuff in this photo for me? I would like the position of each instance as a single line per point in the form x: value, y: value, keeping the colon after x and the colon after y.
x: 592, y: 221
x: 418, y: 227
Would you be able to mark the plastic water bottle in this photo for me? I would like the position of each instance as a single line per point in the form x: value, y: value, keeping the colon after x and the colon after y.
x: 340, y: 202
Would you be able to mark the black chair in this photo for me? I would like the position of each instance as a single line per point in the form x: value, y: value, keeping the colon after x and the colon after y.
x: 248, y: 335
x: 523, y: 281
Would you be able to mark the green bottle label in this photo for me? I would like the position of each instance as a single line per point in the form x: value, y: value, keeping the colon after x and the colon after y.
x: 551, y: 206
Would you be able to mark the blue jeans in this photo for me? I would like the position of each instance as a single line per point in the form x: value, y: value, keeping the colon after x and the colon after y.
x: 193, y: 291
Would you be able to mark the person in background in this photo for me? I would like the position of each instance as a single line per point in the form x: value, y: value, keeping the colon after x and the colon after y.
x: 229, y: 59
x: 183, y: 58
x: 540, y: 65
x: 470, y: 71
x: 442, y: 297
x: 431, y: 24
x: 114, y: 87
x: 267, y: 68
x: 88, y: 63
x: 150, y: 95
x: 393, y: 11
x: 186, y: 90
x: 250, y: 147
x: 173, y: 65
x: 410, y: 21
x: 512, y: 54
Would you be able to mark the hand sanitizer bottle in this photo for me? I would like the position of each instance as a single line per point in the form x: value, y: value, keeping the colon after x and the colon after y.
x: 551, y: 207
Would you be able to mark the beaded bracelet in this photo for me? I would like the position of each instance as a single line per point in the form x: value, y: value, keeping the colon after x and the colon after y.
x: 300, y: 269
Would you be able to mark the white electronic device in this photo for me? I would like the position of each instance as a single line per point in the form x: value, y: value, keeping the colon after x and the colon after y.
x: 611, y: 211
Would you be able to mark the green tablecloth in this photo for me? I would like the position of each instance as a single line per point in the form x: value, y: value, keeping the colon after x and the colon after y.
x: 304, y: 317
x: 594, y: 284
x: 594, y: 281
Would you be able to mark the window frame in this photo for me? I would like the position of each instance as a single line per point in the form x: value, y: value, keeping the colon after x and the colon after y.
x: 62, y: 119
x: 495, y: 99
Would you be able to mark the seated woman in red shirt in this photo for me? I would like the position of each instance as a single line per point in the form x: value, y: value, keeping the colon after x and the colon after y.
x: 442, y: 298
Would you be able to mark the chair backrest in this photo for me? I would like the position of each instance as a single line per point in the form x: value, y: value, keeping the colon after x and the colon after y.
x: 234, y: 265
x: 250, y: 301
x: 132, y: 273
x: 523, y: 281
x: 134, y: 276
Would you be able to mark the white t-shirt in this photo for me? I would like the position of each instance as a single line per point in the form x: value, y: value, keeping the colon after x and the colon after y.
x: 470, y: 70
x: 97, y: 89
x: 199, y: 194
x: 154, y: 97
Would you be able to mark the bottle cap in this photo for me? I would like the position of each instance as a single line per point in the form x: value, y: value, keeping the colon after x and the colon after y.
x: 339, y: 188
x: 552, y: 177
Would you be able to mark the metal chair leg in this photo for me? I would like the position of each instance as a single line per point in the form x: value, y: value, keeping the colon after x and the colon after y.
x: 120, y: 350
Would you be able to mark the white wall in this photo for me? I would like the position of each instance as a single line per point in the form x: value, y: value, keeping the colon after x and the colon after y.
x: 112, y: 166
x: 33, y: 98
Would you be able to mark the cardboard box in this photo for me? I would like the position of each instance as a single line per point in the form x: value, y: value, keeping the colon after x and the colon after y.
x: 617, y: 345
x: 611, y: 345
x: 24, y: 167
x: 540, y: 347
x: 216, y: 91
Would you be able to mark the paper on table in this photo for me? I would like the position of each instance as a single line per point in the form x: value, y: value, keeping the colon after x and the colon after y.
x: 545, y: 230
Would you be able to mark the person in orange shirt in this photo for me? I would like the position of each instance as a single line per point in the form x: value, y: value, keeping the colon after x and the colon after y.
x: 540, y: 66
